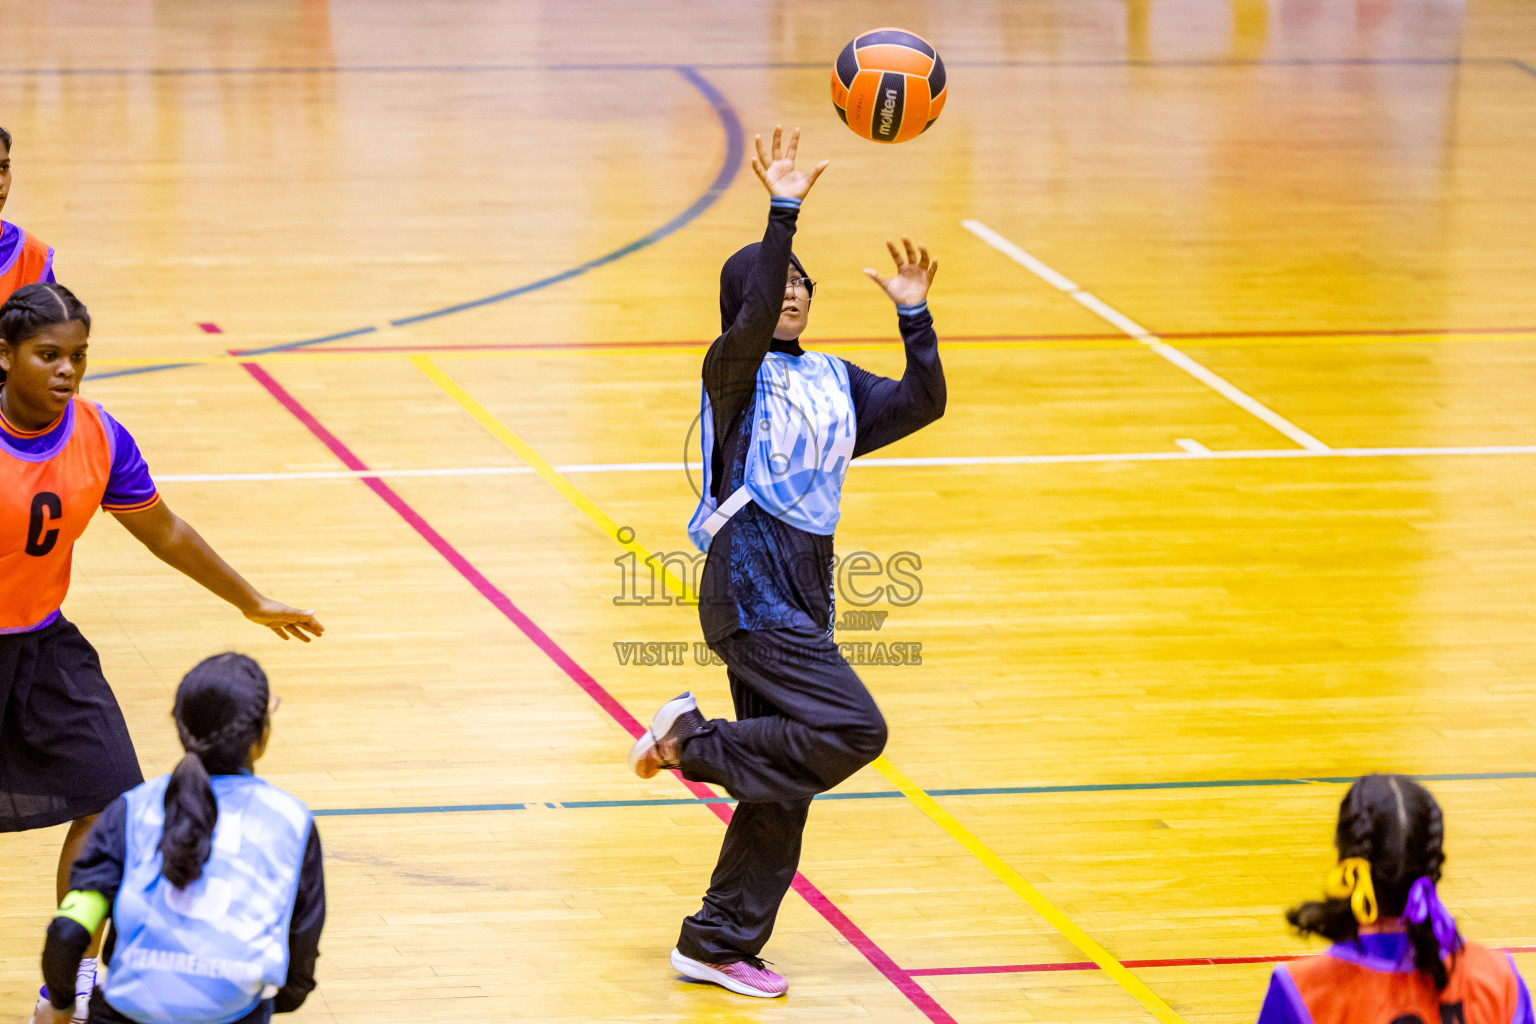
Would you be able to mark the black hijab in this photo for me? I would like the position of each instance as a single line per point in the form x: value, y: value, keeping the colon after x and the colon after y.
x: 734, y: 278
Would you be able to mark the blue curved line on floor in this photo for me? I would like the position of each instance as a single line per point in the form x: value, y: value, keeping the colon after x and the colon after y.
x: 135, y: 370
x: 735, y: 150
x: 131, y: 371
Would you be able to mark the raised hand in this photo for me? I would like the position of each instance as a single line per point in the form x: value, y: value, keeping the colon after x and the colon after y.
x: 283, y: 620
x: 914, y: 274
x: 778, y: 173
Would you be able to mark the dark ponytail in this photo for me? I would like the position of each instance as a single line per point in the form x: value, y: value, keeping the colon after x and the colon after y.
x: 34, y: 308
x: 221, y: 711
x: 1395, y: 824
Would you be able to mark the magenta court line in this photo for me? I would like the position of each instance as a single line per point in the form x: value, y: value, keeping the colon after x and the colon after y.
x: 1347, y: 332
x: 1084, y: 965
x: 818, y: 900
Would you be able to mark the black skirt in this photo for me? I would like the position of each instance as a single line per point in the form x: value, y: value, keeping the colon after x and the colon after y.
x: 64, y: 747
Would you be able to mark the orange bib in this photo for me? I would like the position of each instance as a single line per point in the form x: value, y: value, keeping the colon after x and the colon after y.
x: 46, y: 502
x: 1483, y: 989
x: 28, y: 265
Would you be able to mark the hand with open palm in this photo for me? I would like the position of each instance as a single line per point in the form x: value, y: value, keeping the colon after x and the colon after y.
x: 778, y: 173
x: 914, y: 273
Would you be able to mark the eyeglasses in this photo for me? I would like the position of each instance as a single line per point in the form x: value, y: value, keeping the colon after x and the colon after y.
x: 277, y: 702
x: 804, y: 284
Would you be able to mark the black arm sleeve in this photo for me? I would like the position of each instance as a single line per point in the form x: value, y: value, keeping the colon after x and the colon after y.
x: 66, y: 944
x: 304, y: 929
x: 888, y: 410
x: 99, y: 868
x: 730, y: 365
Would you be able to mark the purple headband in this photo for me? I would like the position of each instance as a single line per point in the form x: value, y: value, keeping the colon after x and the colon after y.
x: 1424, y: 904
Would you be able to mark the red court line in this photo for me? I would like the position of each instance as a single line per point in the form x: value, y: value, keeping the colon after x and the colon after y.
x: 542, y: 346
x: 1088, y: 965
x: 1356, y: 332
x: 1198, y: 961
x: 882, y: 962
x: 1364, y: 332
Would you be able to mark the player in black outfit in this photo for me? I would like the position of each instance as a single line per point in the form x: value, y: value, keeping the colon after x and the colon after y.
x: 804, y: 720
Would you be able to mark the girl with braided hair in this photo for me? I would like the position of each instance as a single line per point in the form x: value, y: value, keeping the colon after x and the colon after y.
x: 212, y: 877
x: 1397, y: 957
x: 64, y: 747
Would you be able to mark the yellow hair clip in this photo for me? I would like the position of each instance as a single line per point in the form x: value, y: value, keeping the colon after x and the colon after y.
x: 1351, y: 880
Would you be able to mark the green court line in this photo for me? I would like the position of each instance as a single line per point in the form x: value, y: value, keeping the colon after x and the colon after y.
x: 891, y: 794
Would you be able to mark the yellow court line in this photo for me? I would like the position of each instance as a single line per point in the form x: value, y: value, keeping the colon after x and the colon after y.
x: 1029, y: 894
x: 551, y: 476
x: 927, y: 804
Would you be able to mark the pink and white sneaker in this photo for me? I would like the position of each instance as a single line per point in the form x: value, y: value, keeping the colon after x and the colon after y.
x: 744, y: 977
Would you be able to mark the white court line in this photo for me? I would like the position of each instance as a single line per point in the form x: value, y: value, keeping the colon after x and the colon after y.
x: 1189, y: 444
x: 1200, y: 454
x: 1018, y: 255
x: 1088, y: 300
x: 1113, y: 315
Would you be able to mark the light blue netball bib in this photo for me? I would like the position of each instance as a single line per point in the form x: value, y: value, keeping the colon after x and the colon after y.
x: 207, y: 954
x: 803, y: 431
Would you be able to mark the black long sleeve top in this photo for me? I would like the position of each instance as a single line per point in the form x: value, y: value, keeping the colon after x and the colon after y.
x: 763, y: 573
x: 100, y: 869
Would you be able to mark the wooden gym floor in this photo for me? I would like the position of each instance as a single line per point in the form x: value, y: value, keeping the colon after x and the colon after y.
x: 1233, y: 500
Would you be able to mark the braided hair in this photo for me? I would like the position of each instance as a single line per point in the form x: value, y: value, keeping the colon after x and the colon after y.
x: 1395, y: 824
x: 34, y: 308
x: 220, y: 712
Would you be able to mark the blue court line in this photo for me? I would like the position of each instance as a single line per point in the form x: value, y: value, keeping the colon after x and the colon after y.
x: 285, y: 346
x: 251, y: 352
x: 134, y: 370
x: 891, y: 794
x: 735, y: 143
x: 441, y: 69
x: 735, y: 146
x: 735, y: 150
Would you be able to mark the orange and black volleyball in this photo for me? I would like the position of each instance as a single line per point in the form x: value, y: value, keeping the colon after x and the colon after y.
x: 888, y: 85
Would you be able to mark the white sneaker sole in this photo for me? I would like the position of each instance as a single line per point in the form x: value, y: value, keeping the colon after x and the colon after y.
x: 691, y: 968
x: 670, y: 712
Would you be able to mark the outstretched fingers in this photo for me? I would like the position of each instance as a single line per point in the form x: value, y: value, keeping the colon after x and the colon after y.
x: 895, y: 254
x: 911, y: 252
x: 778, y: 139
x: 794, y: 146
x: 874, y: 276
x: 810, y: 179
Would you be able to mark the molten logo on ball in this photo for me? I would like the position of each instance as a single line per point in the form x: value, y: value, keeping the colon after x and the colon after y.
x: 888, y: 85
x: 888, y: 113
